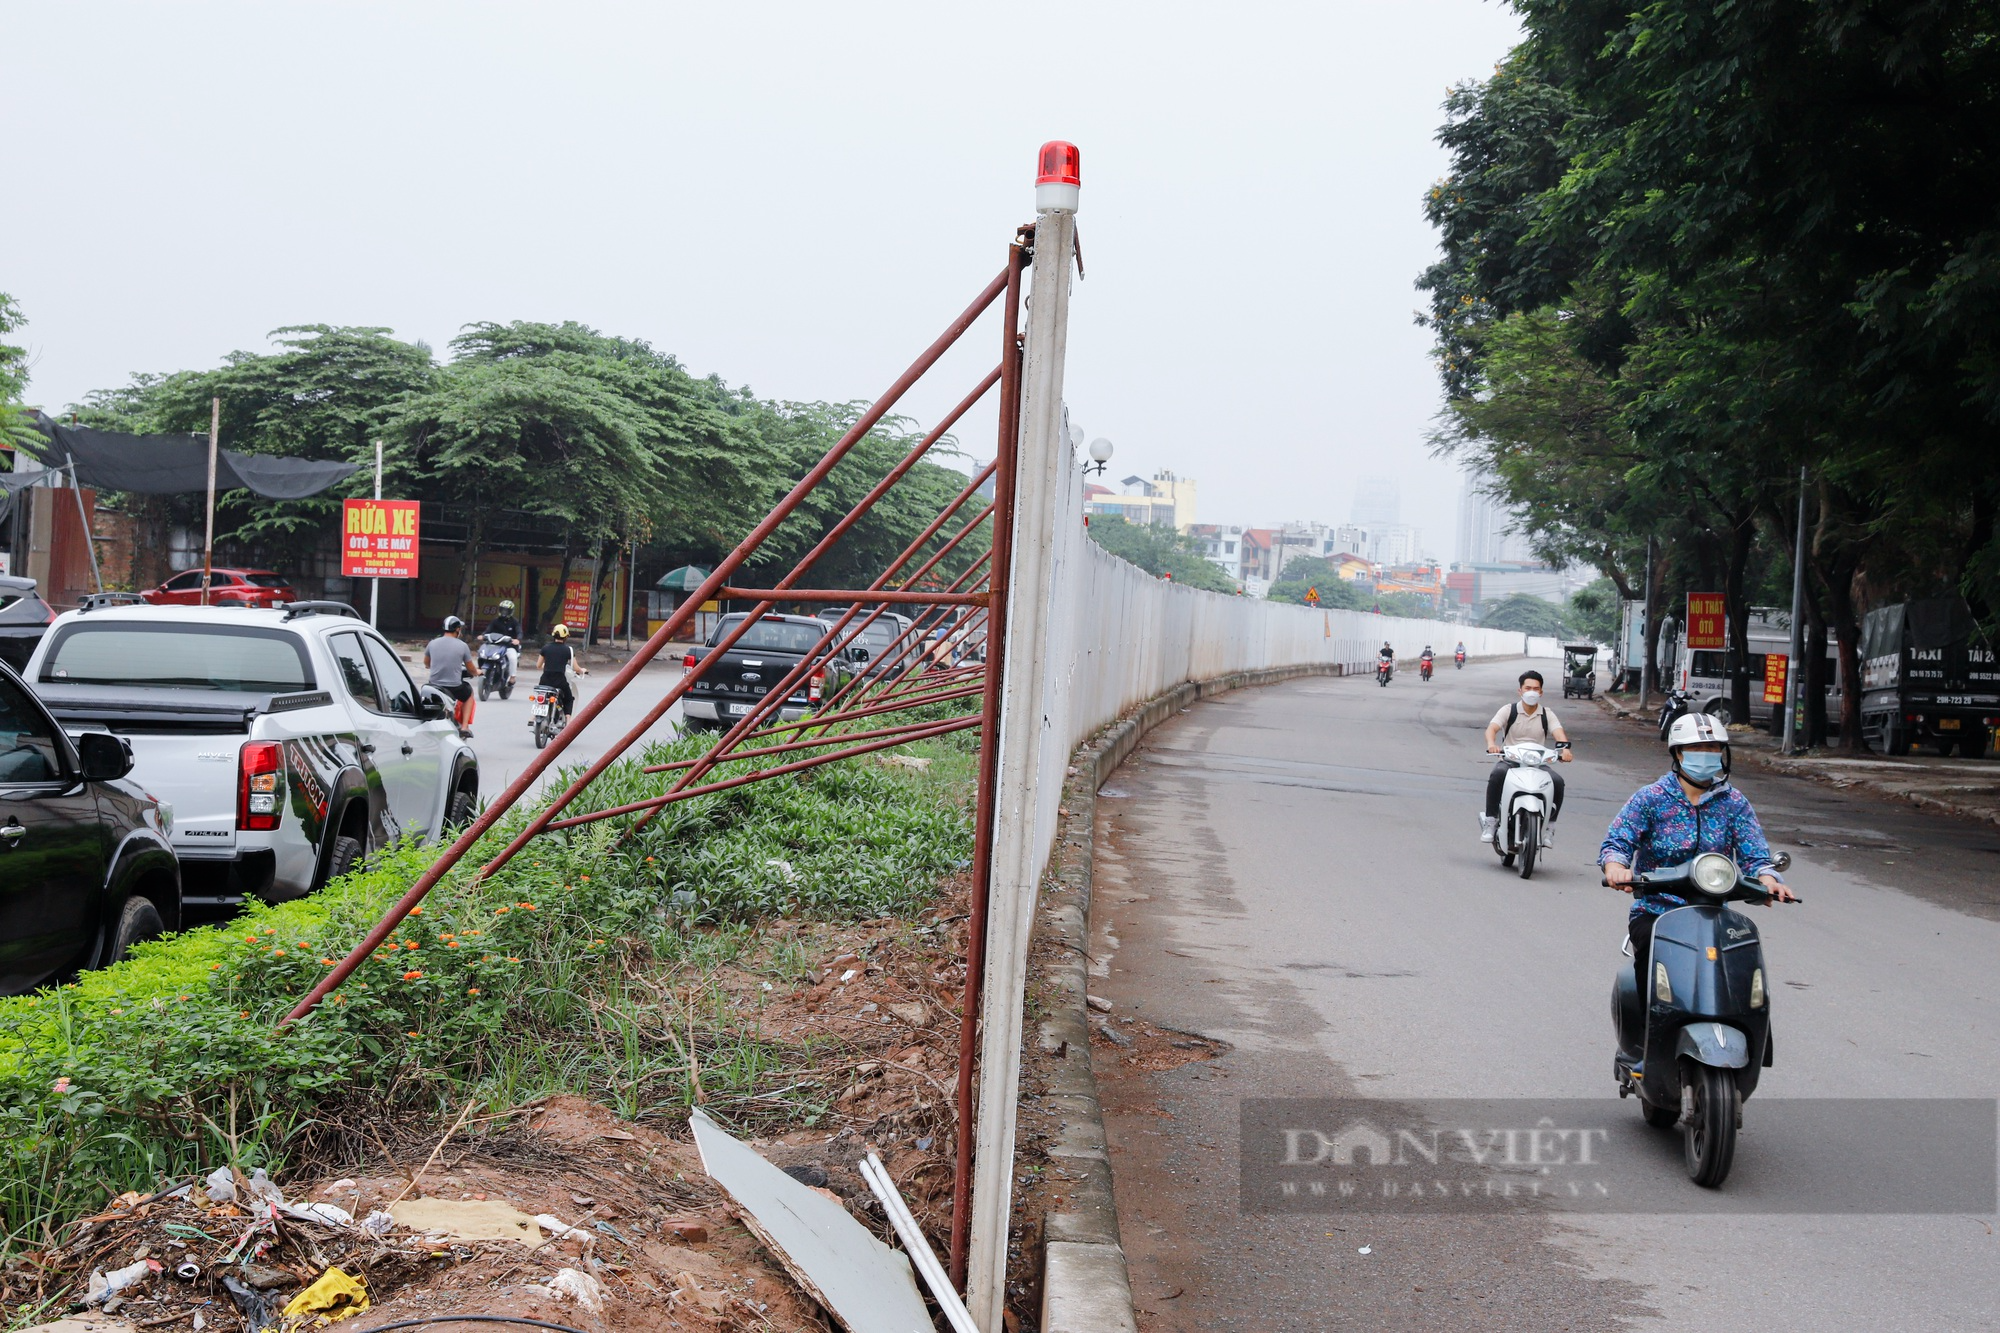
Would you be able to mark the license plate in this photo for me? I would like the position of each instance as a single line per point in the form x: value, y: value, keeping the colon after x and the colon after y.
x: 1947, y: 724
x: 737, y: 710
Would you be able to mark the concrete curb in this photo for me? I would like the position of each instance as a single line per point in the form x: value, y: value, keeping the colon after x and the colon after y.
x: 1085, y: 1286
x: 1894, y: 789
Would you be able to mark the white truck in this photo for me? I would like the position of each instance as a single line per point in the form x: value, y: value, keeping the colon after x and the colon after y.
x: 289, y: 742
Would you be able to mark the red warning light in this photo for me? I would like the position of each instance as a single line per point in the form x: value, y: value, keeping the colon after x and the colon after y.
x: 1058, y: 177
x: 1061, y: 164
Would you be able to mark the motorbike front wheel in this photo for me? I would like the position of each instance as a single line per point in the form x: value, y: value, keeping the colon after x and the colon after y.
x: 482, y: 689
x: 1530, y: 843
x: 1709, y: 1136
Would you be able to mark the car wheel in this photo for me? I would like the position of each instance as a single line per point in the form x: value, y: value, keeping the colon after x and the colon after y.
x: 1721, y: 710
x: 346, y: 857
x: 139, y: 920
x: 463, y: 808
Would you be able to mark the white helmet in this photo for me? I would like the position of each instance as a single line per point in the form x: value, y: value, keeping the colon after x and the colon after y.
x: 1696, y: 729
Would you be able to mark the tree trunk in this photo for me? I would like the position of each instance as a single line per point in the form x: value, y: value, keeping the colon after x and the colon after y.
x: 1741, y: 536
x: 475, y: 534
x: 1649, y: 674
x: 1847, y: 635
x: 1814, y: 734
x: 562, y: 581
x: 590, y: 604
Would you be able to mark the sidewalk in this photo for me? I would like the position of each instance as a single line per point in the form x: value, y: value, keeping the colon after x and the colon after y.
x: 1968, y: 789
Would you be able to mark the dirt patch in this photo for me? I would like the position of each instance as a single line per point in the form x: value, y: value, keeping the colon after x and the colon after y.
x: 868, y: 1016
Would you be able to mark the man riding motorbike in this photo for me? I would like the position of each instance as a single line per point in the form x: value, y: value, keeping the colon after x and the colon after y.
x: 450, y: 663
x: 558, y: 660
x: 1458, y: 653
x: 504, y: 623
x: 1526, y: 719
x: 1425, y: 662
x: 1691, y: 809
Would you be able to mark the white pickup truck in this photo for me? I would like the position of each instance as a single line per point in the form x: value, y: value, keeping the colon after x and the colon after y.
x: 289, y: 742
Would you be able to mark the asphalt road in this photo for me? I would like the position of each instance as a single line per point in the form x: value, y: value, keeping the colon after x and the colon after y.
x: 1294, y: 871
x: 506, y: 744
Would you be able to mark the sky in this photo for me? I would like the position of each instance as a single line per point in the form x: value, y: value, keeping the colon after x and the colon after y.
x: 795, y: 197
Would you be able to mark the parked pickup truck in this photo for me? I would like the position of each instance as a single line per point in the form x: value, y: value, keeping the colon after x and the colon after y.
x: 751, y: 669
x: 290, y: 743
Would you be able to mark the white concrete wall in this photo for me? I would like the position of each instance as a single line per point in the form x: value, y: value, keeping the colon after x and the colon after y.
x: 1119, y: 637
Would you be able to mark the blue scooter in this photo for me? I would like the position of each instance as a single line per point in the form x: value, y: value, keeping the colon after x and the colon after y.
x: 1691, y: 1048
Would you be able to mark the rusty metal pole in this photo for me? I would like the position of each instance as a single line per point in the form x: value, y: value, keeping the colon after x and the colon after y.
x: 989, y: 760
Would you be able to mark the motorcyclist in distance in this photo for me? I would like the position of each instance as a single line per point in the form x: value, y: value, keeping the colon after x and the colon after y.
x: 504, y: 623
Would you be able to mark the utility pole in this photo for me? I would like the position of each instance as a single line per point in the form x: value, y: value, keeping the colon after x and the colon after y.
x: 375, y: 591
x: 1648, y: 673
x: 208, y: 537
x: 1795, y: 669
x: 1042, y: 470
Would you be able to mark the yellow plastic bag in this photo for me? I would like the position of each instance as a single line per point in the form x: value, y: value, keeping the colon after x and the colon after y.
x: 333, y: 1297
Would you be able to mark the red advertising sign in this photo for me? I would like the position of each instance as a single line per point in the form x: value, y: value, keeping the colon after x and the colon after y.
x: 1774, y: 677
x: 576, y: 606
x: 378, y: 539
x: 1707, y: 626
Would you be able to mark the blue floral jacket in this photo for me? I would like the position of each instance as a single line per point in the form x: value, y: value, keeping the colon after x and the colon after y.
x: 1659, y: 827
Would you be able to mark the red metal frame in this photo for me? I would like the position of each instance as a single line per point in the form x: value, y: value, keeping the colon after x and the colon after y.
x: 903, y: 677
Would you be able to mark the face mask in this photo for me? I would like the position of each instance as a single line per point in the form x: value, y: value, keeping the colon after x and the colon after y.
x: 1531, y: 697
x: 1702, y: 769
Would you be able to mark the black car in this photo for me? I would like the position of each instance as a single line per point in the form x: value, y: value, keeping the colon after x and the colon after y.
x: 24, y: 618
x: 86, y: 869
x: 752, y: 668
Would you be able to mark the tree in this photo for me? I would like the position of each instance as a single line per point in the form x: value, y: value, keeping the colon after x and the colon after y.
x: 1524, y: 613
x: 1161, y: 552
x: 16, y: 427
x: 1594, y: 611
x: 1334, y: 592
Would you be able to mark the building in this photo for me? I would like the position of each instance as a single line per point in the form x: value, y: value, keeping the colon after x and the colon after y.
x: 1378, y: 502
x: 1221, y: 545
x: 1167, y: 500
x: 1393, y: 544
x: 1487, y: 530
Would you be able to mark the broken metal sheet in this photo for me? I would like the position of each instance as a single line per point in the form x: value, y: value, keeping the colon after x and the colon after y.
x: 869, y: 1287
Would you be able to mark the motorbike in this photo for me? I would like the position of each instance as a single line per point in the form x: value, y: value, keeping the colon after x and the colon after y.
x: 493, y: 677
x: 1527, y: 799
x: 546, y: 717
x: 1458, y: 661
x: 1674, y: 708
x: 1383, y: 670
x: 1691, y: 1048
x: 1424, y: 669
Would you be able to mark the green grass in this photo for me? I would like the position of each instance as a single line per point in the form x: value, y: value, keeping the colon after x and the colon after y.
x: 583, y: 966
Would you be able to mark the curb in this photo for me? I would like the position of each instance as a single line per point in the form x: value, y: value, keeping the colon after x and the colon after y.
x: 1085, y: 1285
x: 1787, y: 766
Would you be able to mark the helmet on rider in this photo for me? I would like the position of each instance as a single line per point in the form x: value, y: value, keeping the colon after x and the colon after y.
x: 452, y: 624
x: 561, y: 631
x: 1699, y: 746
x: 506, y: 605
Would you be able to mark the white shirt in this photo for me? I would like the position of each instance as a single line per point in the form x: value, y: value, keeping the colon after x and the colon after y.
x: 1527, y: 726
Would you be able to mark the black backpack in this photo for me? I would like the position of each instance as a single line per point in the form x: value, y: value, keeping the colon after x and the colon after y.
x: 1514, y: 715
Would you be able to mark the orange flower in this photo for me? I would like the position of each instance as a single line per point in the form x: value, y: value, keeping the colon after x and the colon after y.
x: 270, y: 930
x: 586, y: 879
x: 215, y: 967
x: 412, y: 975
x: 249, y: 939
x: 277, y: 953
x: 649, y: 860
x: 409, y: 944
x: 244, y: 1014
x: 502, y: 911
x: 452, y: 945
x: 512, y: 959
x: 326, y: 962
x: 472, y: 990
x: 418, y: 910
x: 413, y: 1034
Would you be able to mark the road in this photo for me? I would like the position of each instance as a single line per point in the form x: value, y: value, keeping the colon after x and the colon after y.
x: 1294, y: 871
x: 506, y: 745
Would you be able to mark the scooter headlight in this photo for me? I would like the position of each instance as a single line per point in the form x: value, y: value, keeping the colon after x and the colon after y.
x: 1757, y: 989
x: 1713, y: 873
x: 1532, y: 758
x: 1663, y: 989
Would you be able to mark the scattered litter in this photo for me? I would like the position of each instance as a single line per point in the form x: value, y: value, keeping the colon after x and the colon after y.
x: 466, y: 1219
x: 903, y: 761
x: 331, y: 1298
x: 378, y: 1222
x: 255, y: 1306
x: 849, y: 975
x: 560, y: 1230
x: 1098, y: 1002
x: 1113, y: 1035
x: 573, y: 1285
x: 324, y: 1213
x: 338, y: 1186
x: 103, y: 1285
x: 914, y: 1012
x: 1366, y: 1249
x: 188, y: 1272
x: 262, y: 1187
x: 863, y: 1282
x: 784, y: 869
x: 221, y: 1184
x: 263, y: 1277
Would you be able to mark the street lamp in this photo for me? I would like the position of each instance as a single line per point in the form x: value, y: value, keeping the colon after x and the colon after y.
x: 1100, y: 452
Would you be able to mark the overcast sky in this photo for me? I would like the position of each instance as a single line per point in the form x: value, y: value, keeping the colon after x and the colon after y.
x: 792, y: 196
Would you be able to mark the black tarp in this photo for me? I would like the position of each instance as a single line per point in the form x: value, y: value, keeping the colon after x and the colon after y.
x: 173, y: 464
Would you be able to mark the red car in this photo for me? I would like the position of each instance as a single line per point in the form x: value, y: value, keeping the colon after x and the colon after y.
x: 226, y: 587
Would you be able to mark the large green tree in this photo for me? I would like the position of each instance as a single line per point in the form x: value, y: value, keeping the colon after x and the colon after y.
x: 15, y: 425
x: 1161, y: 551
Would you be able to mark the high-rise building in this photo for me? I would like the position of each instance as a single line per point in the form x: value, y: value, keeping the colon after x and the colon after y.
x: 1487, y: 532
x: 1378, y: 502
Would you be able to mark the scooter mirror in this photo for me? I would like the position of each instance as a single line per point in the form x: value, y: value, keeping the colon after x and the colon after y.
x: 1781, y: 862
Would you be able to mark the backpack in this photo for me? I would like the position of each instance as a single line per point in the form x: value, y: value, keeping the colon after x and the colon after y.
x: 1514, y: 715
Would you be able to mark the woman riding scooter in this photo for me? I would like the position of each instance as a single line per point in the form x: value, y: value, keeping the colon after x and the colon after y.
x: 1691, y: 809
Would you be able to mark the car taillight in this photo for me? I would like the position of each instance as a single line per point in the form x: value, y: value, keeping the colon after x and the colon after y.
x: 687, y: 662
x: 260, y: 785
x: 814, y: 684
